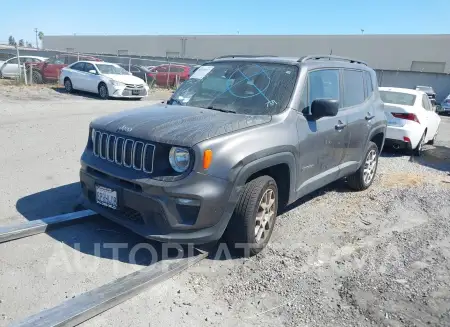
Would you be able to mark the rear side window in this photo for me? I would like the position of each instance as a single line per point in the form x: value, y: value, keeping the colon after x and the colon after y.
x: 426, y: 102
x: 354, y: 92
x: 13, y: 61
x: 368, y: 84
x: 88, y: 67
x: 78, y: 66
x: 323, y: 84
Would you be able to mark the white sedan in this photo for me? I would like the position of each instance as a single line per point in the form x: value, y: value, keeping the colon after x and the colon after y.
x: 10, y: 67
x: 412, y: 120
x: 105, y: 79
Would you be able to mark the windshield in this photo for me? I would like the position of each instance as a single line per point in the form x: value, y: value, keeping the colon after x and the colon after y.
x: 111, y: 69
x: 242, y: 87
x: 398, y: 98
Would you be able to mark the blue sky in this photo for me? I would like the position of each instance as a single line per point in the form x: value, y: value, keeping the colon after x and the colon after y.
x: 223, y: 17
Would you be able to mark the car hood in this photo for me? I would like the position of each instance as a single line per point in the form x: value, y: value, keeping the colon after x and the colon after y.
x: 127, y: 79
x: 176, y: 125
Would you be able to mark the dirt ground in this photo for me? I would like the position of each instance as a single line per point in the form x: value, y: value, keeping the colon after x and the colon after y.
x: 337, y: 258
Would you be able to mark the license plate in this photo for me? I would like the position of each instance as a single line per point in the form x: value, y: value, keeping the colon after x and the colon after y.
x: 394, y: 122
x: 135, y: 92
x: 106, y: 197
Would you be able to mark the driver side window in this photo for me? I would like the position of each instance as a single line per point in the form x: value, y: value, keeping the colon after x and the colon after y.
x: 320, y: 84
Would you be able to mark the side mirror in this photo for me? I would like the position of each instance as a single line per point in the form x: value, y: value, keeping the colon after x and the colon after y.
x: 92, y: 71
x: 324, y: 108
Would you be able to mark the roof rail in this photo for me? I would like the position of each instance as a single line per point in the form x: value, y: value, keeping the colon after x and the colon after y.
x: 330, y: 57
x: 243, y: 56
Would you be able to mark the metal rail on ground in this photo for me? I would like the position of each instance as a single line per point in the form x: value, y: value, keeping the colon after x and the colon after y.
x: 88, y: 305
x: 34, y: 227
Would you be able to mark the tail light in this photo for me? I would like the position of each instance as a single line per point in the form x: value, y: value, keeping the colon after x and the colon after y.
x: 411, y: 117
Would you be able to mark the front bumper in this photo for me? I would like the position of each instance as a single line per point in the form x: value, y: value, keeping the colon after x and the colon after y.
x: 153, y: 209
x: 126, y: 92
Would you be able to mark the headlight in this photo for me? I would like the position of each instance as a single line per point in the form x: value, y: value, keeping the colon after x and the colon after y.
x: 179, y: 159
x: 116, y: 83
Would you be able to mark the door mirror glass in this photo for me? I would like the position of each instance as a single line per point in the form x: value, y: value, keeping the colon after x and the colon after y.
x: 92, y: 71
x: 324, y: 108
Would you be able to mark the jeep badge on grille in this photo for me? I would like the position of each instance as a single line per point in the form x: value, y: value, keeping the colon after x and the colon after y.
x: 124, y: 128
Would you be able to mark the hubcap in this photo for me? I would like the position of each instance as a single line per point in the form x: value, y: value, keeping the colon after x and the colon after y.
x: 265, y: 215
x: 369, y: 166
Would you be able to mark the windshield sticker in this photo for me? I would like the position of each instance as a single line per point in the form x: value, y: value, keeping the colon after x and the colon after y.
x: 202, y: 71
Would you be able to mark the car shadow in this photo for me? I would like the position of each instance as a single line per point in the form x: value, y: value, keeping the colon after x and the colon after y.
x: 87, y: 95
x: 95, y: 235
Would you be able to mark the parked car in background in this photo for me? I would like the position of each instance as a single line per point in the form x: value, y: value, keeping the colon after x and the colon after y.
x: 168, y: 75
x: 49, y: 70
x: 105, y: 79
x: 193, y: 69
x: 10, y: 67
x: 429, y: 91
x: 445, y: 106
x: 412, y: 121
x: 136, y: 70
x: 149, y: 67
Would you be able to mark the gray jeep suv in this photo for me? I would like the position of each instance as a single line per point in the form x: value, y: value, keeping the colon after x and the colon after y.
x: 242, y: 138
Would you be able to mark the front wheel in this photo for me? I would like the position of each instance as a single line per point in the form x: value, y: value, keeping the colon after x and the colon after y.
x: 364, y: 176
x: 68, y: 85
x: 103, y: 91
x: 254, y: 217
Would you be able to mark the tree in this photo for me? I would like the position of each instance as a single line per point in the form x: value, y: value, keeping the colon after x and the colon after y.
x: 29, y: 45
x: 21, y: 43
x: 11, y: 40
x: 41, y: 36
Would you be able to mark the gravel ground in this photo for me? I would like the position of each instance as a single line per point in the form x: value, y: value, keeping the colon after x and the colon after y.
x: 337, y: 258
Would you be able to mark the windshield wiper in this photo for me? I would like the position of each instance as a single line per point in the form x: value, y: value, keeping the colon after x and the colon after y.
x: 221, y: 110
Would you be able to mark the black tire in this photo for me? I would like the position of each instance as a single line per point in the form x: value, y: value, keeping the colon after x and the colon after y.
x: 68, y: 85
x: 431, y: 142
x: 103, y: 91
x: 357, y: 180
x: 37, y: 78
x: 418, y: 150
x: 240, y: 233
x: 1, y: 74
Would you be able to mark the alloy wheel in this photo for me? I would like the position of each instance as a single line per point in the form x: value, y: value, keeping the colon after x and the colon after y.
x: 264, y: 216
x: 370, y: 166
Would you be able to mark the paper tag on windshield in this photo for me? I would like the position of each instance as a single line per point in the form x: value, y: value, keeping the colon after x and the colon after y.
x: 202, y: 72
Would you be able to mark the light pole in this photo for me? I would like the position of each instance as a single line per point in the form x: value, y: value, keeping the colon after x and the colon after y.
x: 36, y: 32
x: 362, y: 31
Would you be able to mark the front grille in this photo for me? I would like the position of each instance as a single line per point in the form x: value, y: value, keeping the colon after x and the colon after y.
x: 134, y: 86
x: 127, y: 152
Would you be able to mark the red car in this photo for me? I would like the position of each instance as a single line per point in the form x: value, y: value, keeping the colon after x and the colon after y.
x: 166, y: 75
x: 48, y: 71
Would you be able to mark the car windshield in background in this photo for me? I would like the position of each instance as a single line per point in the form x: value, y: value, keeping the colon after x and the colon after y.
x: 111, y: 69
x: 428, y: 89
x: 398, y: 98
x: 242, y: 87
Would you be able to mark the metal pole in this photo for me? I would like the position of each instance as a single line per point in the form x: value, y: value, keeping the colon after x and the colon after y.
x: 25, y: 75
x: 36, y: 32
x: 168, y: 74
x: 18, y: 62
x: 31, y: 74
x: 78, y: 57
x: 129, y: 65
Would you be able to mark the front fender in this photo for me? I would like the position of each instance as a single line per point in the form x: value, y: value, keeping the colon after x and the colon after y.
x: 255, y: 163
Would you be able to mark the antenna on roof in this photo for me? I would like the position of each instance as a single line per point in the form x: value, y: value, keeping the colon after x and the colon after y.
x: 331, y: 52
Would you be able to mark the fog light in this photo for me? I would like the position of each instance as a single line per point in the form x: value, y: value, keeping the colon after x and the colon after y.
x: 187, y: 202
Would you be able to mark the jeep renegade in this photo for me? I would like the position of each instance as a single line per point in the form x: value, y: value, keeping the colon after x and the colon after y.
x: 240, y: 139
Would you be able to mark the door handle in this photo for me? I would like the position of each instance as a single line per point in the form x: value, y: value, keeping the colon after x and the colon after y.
x: 369, y: 116
x: 340, y: 126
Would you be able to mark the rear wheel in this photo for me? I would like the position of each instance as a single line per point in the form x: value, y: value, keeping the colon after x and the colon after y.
x: 103, y: 91
x: 68, y: 85
x: 419, y: 148
x: 364, y: 176
x: 254, y: 217
x: 37, y: 78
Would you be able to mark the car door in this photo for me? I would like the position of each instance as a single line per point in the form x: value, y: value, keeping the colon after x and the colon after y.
x: 322, y: 142
x: 75, y: 73
x: 10, y: 67
x: 53, y: 67
x: 162, y: 75
x: 90, y: 78
x: 358, y: 109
